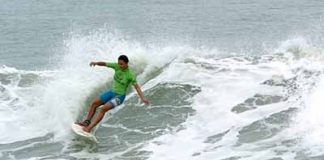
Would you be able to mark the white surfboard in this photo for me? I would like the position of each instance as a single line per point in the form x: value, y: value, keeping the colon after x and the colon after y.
x: 77, y: 129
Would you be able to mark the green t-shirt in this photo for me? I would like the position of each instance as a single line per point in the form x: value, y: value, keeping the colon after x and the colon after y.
x: 122, y: 78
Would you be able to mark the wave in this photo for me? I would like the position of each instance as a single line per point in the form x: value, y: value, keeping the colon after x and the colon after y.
x: 248, y: 106
x: 224, y: 107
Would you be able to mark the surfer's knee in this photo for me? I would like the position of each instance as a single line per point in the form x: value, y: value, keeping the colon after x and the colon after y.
x: 105, y: 108
x: 96, y: 102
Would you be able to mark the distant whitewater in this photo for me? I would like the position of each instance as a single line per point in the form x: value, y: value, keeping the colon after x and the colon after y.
x: 205, y: 105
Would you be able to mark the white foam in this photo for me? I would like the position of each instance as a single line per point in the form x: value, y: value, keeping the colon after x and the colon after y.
x: 309, y: 125
x: 20, y: 120
x: 222, y: 91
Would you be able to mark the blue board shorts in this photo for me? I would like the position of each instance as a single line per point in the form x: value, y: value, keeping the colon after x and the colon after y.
x: 113, y: 98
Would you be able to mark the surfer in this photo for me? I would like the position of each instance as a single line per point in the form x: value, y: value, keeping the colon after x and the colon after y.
x: 123, y: 77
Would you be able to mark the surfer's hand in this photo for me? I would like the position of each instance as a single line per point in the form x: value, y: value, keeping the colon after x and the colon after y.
x: 146, y: 102
x: 92, y: 64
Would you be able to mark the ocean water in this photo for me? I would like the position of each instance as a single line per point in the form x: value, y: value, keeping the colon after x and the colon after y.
x: 227, y: 79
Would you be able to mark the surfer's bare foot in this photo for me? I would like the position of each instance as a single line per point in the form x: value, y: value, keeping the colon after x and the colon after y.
x: 84, y: 123
x: 86, y: 129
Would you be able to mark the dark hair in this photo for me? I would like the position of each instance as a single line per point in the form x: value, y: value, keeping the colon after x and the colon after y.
x: 123, y: 58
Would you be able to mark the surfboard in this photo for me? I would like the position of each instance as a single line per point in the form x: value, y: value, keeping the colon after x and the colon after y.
x: 77, y: 129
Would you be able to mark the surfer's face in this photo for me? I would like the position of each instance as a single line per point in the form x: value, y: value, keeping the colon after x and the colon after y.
x: 122, y: 64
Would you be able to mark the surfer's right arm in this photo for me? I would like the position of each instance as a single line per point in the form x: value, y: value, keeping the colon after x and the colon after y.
x: 92, y: 64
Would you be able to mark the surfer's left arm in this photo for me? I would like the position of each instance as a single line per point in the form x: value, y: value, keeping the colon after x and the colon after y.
x: 140, y: 94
